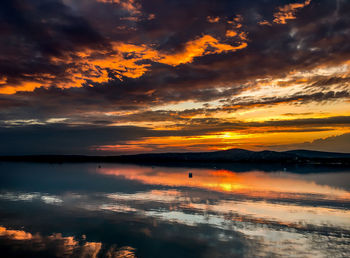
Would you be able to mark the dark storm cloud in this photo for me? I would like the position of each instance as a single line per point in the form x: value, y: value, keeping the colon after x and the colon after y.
x: 172, y: 26
x: 101, y: 99
x: 33, y: 32
x: 78, y: 139
x: 53, y: 28
x: 62, y: 139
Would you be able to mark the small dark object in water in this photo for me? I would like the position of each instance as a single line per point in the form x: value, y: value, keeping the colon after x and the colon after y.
x: 99, y: 166
x: 190, y: 175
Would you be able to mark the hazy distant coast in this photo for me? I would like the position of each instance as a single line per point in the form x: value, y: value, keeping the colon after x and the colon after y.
x: 217, y: 158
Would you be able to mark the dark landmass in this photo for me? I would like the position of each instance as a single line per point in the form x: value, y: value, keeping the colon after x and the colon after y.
x: 240, y: 159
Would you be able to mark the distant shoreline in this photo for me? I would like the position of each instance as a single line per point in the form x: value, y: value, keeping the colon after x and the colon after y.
x: 204, y: 159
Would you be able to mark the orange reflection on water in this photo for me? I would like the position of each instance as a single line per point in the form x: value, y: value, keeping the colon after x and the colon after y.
x: 15, y: 234
x: 62, y: 246
x: 269, y: 185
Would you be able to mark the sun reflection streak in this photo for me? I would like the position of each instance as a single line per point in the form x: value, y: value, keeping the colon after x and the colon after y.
x: 251, y: 184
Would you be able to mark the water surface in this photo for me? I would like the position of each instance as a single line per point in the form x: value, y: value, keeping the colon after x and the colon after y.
x: 113, y: 210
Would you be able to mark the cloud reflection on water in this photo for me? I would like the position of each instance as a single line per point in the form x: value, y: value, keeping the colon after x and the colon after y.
x: 58, y: 245
x: 216, y: 213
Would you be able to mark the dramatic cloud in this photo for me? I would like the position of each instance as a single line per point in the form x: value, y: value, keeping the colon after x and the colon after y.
x: 175, y: 65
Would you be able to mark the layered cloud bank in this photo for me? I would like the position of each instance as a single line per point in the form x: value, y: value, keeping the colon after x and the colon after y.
x: 135, y: 76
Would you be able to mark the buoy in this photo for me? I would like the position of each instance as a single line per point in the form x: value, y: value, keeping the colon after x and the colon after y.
x: 190, y: 175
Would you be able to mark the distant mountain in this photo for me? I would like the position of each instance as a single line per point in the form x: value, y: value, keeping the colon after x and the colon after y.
x: 318, y: 154
x: 216, y: 157
x: 241, y: 155
x: 232, y: 155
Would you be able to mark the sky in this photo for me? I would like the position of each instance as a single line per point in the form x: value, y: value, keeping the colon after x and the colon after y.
x: 132, y: 76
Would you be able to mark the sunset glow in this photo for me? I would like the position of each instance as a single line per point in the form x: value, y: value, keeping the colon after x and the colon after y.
x: 174, y: 128
x: 178, y: 79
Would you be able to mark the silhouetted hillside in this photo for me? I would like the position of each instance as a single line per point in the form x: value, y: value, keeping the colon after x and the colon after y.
x: 318, y: 154
x: 241, y: 155
x: 217, y: 157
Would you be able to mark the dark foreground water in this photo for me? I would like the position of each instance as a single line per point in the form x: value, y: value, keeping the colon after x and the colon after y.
x: 83, y: 210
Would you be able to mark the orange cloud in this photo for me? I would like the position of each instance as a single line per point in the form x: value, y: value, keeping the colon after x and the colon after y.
x: 24, y: 86
x: 236, y: 22
x: 231, y: 33
x: 124, y: 61
x: 287, y: 12
x: 264, y: 22
x: 212, y: 19
x: 15, y: 234
x: 199, y: 47
x: 3, y: 80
